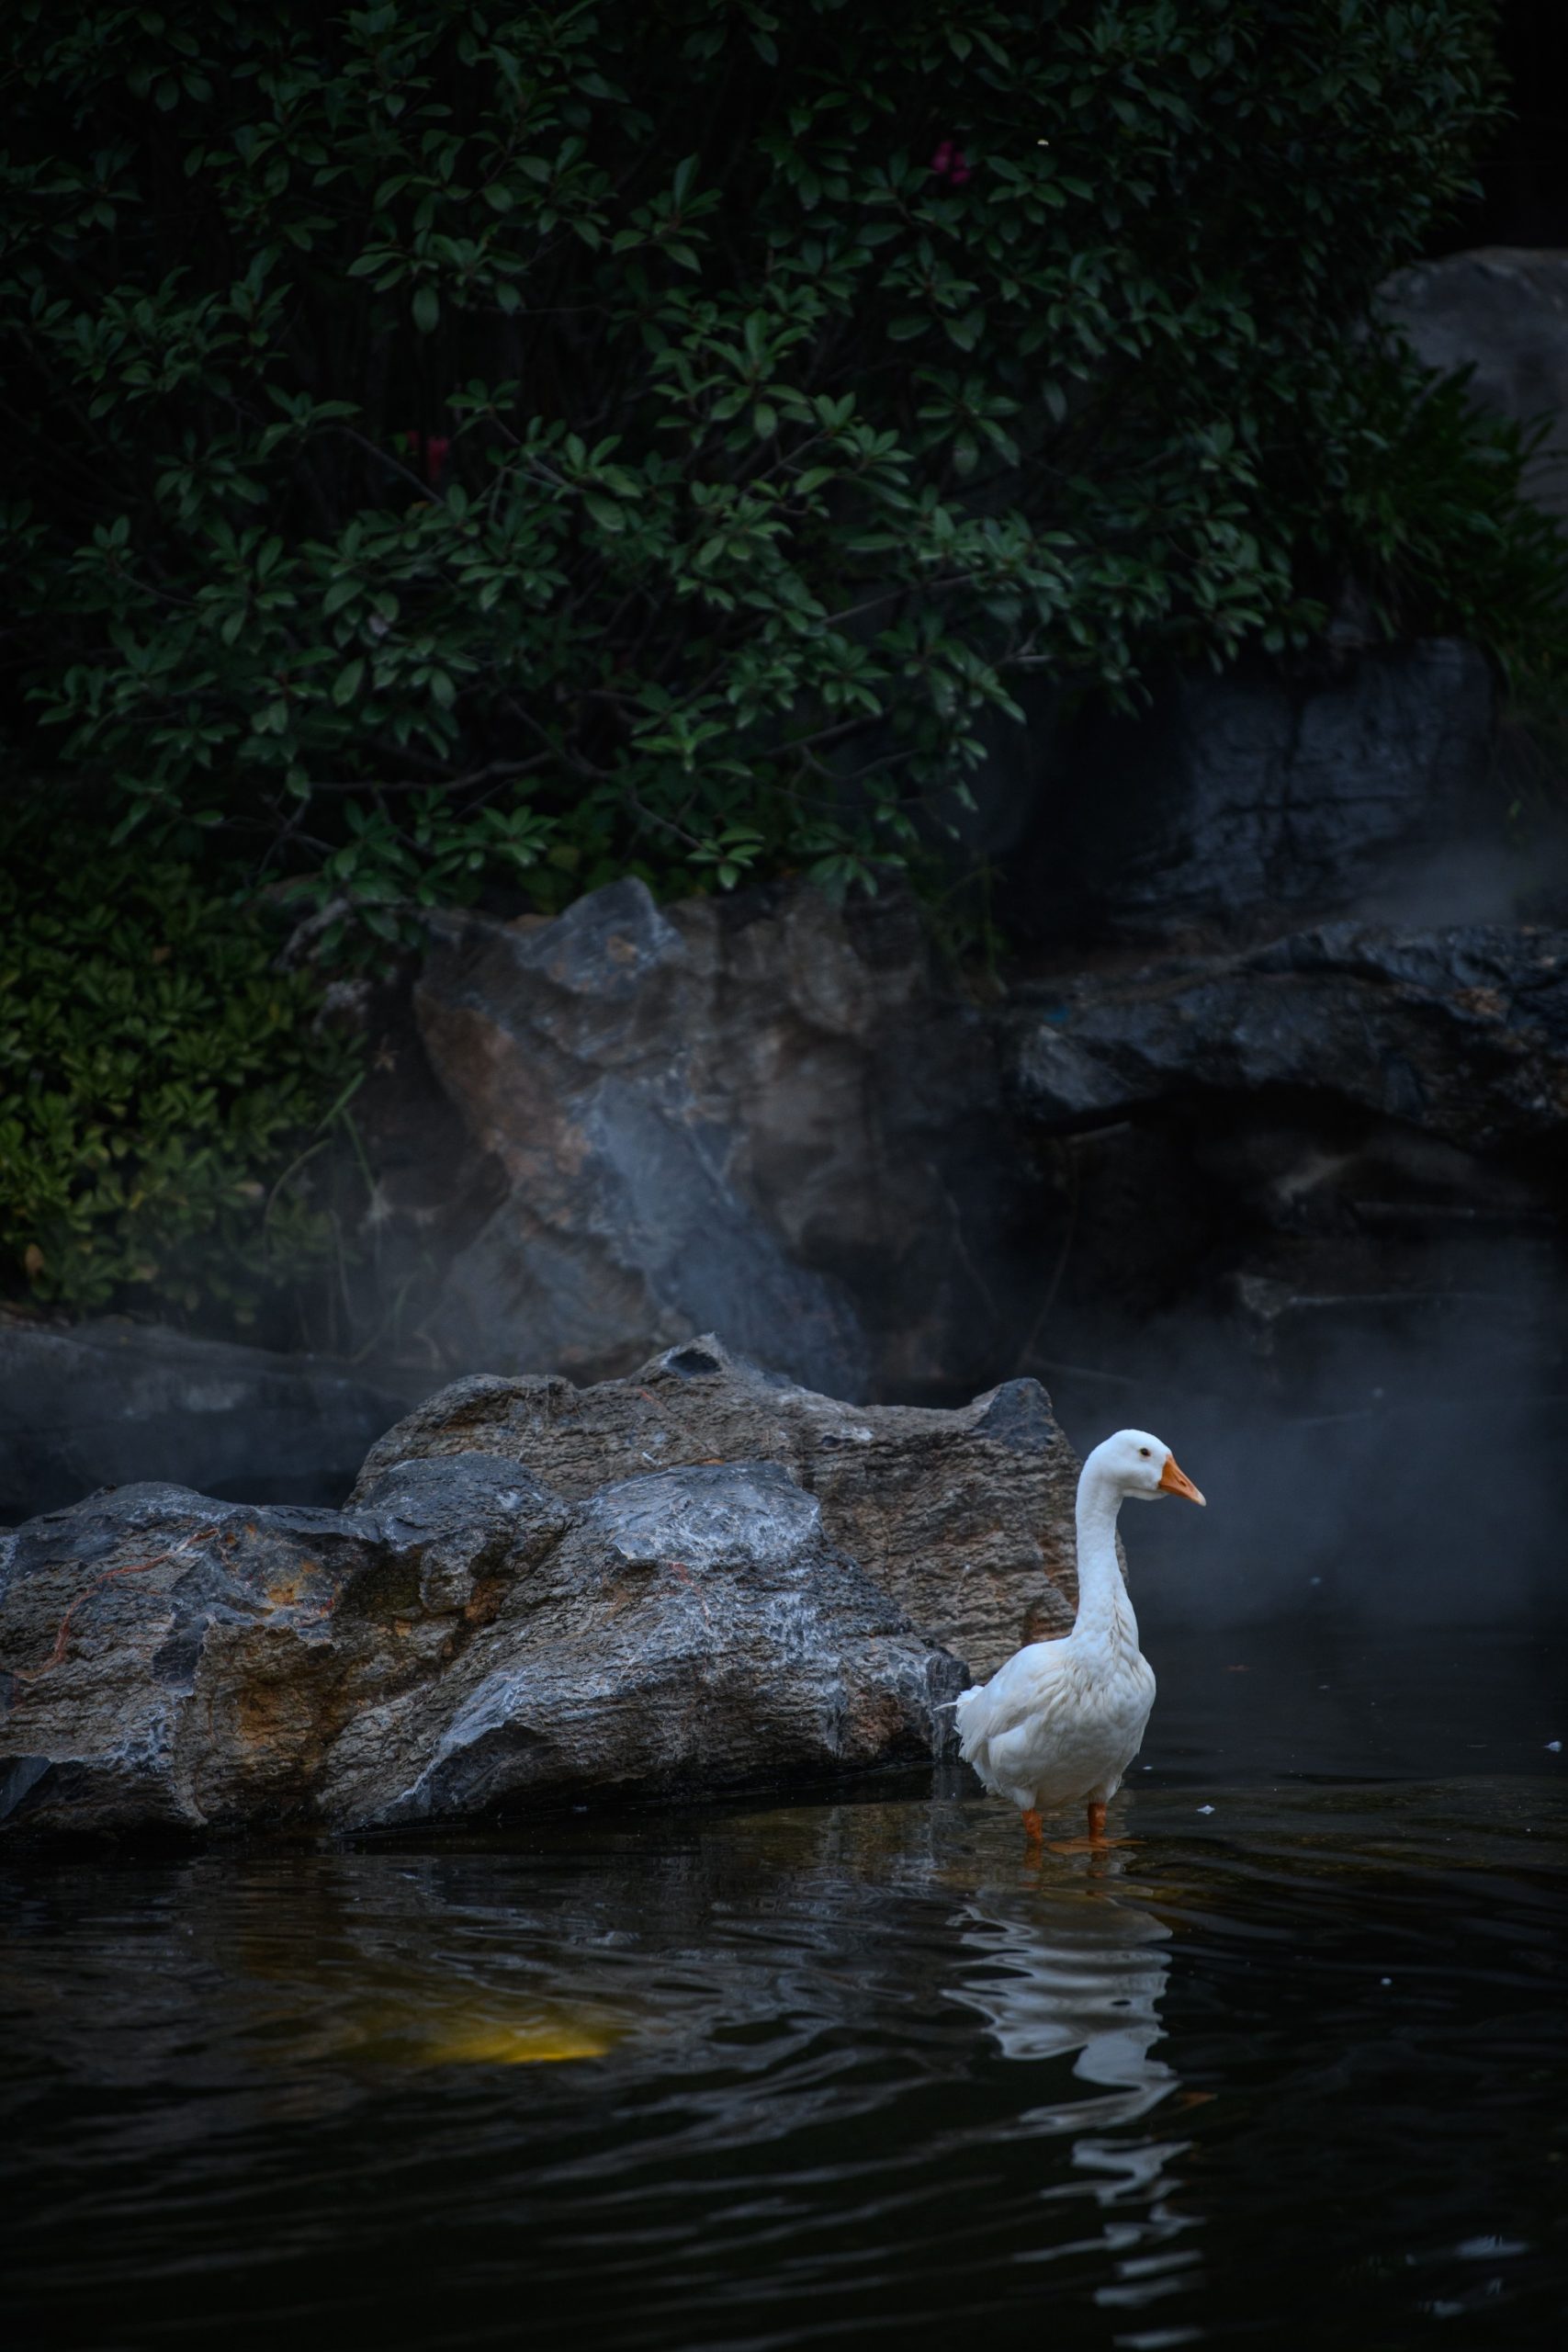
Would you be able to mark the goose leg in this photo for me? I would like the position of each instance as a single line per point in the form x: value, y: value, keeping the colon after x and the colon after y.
x: 1096, y: 1842
x: 1033, y: 1833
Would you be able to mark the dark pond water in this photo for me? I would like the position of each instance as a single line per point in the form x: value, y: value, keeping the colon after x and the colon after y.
x: 1292, y: 2070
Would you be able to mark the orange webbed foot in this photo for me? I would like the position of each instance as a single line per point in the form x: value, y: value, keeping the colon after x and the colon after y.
x: 1096, y: 1842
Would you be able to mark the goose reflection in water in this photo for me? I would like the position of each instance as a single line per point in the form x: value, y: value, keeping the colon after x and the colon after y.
x: 1082, y: 1976
x: 1079, y: 1976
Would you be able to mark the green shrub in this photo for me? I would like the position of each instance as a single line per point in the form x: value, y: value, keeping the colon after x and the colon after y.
x: 162, y: 1086
x: 453, y: 441
x: 1428, y: 492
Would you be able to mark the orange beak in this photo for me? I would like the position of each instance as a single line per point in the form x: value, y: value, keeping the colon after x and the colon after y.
x: 1173, y: 1481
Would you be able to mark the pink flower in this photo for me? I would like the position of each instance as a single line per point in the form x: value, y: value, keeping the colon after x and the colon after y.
x: 950, y: 163
x: 430, y: 448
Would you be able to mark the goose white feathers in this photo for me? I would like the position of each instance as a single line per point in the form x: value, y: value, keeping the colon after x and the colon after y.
x: 1058, y: 1725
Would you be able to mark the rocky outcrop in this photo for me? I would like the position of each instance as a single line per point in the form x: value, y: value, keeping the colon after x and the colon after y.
x: 965, y: 1517
x: 1340, y: 1156
x: 1230, y: 803
x: 93, y: 1404
x: 1502, y: 312
x: 469, y: 1637
x: 759, y: 1117
x: 1461, y: 1033
x: 464, y: 1644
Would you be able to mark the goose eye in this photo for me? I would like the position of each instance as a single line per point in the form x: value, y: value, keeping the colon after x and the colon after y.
x: 1144, y: 1452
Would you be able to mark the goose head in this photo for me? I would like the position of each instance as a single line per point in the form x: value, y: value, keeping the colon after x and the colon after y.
x: 1139, y: 1467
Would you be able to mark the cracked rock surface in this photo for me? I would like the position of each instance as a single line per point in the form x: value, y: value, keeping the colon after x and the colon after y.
x: 529, y: 1601
x: 769, y: 1119
x: 1460, y: 1032
x: 964, y: 1516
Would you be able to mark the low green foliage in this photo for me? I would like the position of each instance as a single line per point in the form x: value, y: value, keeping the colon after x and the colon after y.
x: 1428, y: 490
x: 458, y: 441
x: 162, y: 1085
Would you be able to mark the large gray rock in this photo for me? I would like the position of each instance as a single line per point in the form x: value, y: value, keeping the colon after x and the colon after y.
x: 1461, y: 1032
x: 95, y: 1404
x: 762, y: 1119
x: 1502, y: 311
x: 1234, y: 802
x: 462, y: 1643
x: 965, y: 1517
x: 694, y: 1580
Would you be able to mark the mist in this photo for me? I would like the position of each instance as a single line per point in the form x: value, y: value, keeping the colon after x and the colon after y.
x: 1402, y: 1484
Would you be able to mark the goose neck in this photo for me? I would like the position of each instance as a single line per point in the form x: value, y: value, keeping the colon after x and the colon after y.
x: 1104, y: 1608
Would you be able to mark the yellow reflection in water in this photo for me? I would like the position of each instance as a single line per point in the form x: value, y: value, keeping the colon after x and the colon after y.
x: 437, y: 2032
x: 494, y: 2042
x: 403, y: 2016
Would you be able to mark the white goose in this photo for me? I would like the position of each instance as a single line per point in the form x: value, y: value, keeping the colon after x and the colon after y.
x: 1059, y: 1724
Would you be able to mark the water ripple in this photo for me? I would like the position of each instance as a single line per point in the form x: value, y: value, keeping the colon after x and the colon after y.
x: 801, y: 2076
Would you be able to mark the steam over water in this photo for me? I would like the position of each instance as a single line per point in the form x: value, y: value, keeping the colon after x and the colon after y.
x: 1401, y: 1483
